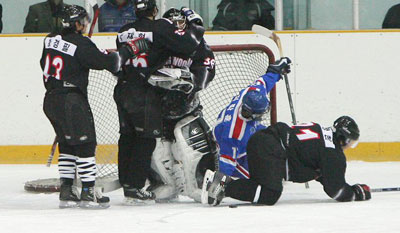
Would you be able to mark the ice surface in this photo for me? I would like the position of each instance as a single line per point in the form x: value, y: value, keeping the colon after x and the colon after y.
x: 298, y: 210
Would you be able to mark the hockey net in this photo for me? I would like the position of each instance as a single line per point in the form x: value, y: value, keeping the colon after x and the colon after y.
x: 237, y: 66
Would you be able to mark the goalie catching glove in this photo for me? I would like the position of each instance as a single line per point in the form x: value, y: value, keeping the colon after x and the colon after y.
x: 173, y: 79
x: 362, y: 192
x: 282, y: 66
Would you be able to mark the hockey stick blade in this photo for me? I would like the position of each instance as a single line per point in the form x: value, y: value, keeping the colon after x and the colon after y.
x: 377, y: 190
x: 270, y: 34
x: 261, y: 30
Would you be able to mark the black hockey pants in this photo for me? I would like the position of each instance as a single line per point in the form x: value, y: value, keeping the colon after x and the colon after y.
x: 267, y: 168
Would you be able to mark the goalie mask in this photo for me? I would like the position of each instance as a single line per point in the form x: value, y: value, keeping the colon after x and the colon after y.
x: 176, y: 17
x: 72, y: 14
x: 346, y: 132
x: 254, y: 105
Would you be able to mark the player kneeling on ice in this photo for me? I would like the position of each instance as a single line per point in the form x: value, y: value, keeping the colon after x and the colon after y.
x: 300, y: 153
x: 66, y: 60
x: 242, y: 118
x: 187, y: 148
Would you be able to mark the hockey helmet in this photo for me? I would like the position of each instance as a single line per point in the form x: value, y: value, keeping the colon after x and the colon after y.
x: 72, y: 14
x: 144, y: 5
x: 254, y: 105
x: 176, y: 17
x: 346, y: 131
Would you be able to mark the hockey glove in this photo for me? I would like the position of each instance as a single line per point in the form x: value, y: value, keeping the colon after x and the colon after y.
x: 137, y: 46
x: 191, y: 16
x: 282, y: 66
x: 362, y: 192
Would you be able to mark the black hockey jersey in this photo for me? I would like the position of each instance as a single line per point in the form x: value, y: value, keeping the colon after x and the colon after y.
x: 312, y: 154
x: 201, y: 64
x: 69, y: 57
x: 165, y: 40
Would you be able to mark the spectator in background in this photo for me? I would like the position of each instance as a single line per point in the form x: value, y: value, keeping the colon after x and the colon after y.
x: 1, y: 16
x: 242, y: 14
x: 44, y: 17
x: 392, y: 18
x: 114, y: 14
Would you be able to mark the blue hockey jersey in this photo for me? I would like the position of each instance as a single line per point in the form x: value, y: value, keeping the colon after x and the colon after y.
x: 232, y: 131
x: 113, y: 17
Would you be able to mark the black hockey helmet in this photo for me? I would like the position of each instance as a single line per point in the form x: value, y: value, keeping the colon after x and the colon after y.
x: 144, y: 5
x: 72, y: 14
x: 176, y: 17
x: 346, y: 130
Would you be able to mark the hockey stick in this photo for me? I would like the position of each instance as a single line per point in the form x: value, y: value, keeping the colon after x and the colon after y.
x: 96, y: 11
x: 52, y: 151
x: 378, y: 190
x: 270, y: 34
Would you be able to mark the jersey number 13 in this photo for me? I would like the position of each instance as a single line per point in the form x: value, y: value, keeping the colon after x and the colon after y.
x: 57, y: 62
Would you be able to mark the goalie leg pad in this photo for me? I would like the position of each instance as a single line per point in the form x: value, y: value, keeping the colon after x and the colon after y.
x: 162, y: 163
x: 192, y: 143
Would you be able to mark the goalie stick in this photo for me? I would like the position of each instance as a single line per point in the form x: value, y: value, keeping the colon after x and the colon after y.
x: 270, y: 34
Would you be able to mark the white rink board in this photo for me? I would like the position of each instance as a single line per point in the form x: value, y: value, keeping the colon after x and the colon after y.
x: 333, y: 74
x: 299, y: 210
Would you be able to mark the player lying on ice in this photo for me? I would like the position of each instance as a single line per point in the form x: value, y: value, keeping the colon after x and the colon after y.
x: 299, y: 154
x: 242, y: 118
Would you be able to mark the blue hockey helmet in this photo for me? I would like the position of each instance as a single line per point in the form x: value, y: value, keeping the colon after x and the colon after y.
x: 254, y: 104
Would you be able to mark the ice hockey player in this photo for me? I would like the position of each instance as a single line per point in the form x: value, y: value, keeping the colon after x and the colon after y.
x: 66, y: 60
x: 181, y: 165
x: 299, y: 154
x: 242, y: 118
x: 138, y: 102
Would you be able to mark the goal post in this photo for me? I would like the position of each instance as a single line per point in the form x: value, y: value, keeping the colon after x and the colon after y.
x: 237, y: 66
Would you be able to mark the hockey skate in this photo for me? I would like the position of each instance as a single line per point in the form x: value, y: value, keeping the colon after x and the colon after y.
x: 90, y: 199
x: 68, y: 197
x: 134, y: 196
x: 213, y: 190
